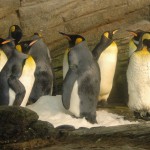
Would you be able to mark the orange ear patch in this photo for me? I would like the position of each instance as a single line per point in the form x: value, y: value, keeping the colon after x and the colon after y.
x: 78, y: 40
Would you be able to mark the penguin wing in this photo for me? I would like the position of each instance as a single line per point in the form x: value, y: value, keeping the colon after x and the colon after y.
x: 68, y: 84
x: 15, y: 84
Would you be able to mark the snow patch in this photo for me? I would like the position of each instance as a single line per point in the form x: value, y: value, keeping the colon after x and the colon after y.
x: 50, y: 108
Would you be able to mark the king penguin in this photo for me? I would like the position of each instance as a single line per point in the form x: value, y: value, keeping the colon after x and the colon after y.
x: 138, y: 77
x: 81, y: 83
x: 6, y: 45
x: 71, y: 44
x: 5, y: 52
x: 105, y: 53
x: 27, y: 77
x: 16, y: 79
x: 44, y: 74
x: 9, y: 79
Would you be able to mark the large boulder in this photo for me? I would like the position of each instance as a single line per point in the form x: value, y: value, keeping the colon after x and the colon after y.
x: 14, y: 121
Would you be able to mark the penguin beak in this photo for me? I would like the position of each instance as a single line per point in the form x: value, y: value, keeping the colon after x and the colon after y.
x: 67, y: 36
x: 6, y: 41
x: 115, y: 31
x: 132, y: 32
x: 32, y: 42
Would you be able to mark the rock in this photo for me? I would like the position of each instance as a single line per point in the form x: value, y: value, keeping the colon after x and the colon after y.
x: 9, y: 6
x: 21, y: 125
x: 66, y: 127
x: 42, y: 128
x: 14, y: 121
x: 17, y: 115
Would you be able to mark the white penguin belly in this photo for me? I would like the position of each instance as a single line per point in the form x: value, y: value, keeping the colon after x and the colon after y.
x: 138, y: 77
x: 75, y: 101
x: 11, y: 97
x: 3, y: 59
x: 27, y: 79
x: 107, y: 63
x: 65, y: 64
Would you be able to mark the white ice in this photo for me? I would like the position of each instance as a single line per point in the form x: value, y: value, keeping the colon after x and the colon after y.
x: 50, y: 108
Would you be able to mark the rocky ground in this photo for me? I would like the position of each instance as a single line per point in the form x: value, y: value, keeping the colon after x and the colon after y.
x: 21, y: 129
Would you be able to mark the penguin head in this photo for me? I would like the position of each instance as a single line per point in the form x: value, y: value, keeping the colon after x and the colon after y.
x: 38, y: 34
x: 3, y: 41
x: 136, y: 35
x: 15, y: 32
x: 144, y: 41
x: 25, y: 46
x: 73, y: 39
x: 109, y: 34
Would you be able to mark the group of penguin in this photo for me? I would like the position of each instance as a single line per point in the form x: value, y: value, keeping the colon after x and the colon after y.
x: 25, y: 69
x: 26, y: 72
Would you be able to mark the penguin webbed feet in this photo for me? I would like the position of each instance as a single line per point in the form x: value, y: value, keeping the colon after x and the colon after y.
x: 89, y: 117
x: 102, y: 103
x: 142, y: 115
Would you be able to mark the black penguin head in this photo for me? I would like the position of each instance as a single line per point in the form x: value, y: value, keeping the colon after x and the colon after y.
x: 136, y: 35
x: 38, y: 34
x: 109, y: 34
x: 3, y: 41
x: 73, y: 39
x: 15, y: 32
x: 25, y: 46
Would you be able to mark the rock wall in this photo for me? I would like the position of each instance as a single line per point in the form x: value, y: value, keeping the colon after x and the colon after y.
x: 85, y: 17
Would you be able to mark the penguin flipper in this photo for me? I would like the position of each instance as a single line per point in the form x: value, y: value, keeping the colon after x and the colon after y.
x: 18, y: 88
x: 101, y: 46
x: 68, y: 83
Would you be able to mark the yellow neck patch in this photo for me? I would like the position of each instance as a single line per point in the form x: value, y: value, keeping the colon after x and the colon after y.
x: 19, y: 48
x: 78, y: 40
x: 132, y: 46
x: 12, y: 29
x: 144, y: 51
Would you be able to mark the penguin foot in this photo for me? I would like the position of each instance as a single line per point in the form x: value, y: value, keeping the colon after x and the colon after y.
x: 102, y: 103
x: 29, y: 103
x: 89, y: 117
x: 142, y: 115
x: 137, y: 115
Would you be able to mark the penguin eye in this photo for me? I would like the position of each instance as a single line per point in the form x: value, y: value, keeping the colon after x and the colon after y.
x: 12, y: 29
x: 78, y: 40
